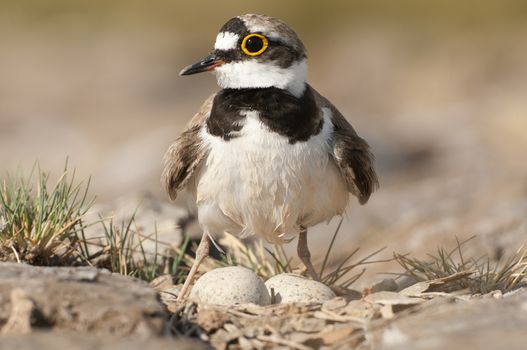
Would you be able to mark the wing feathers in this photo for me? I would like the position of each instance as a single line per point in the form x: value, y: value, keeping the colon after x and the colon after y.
x: 186, y: 153
x: 352, y: 154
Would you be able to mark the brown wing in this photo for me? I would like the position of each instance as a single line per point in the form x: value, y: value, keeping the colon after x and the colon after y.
x: 351, y: 153
x: 186, y: 153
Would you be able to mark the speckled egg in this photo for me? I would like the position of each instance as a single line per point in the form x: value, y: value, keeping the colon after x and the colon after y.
x: 230, y: 286
x: 292, y: 288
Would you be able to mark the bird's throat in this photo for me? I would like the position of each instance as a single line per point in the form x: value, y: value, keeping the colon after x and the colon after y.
x: 255, y: 74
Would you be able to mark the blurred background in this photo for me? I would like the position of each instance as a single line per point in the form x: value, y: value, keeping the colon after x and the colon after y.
x: 438, y: 88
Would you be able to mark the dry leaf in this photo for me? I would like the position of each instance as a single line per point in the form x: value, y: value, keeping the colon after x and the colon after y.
x: 433, y: 285
x: 361, y: 309
x: 334, y: 304
x: 392, y: 298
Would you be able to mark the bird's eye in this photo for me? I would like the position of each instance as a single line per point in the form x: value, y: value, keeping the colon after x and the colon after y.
x: 254, y: 44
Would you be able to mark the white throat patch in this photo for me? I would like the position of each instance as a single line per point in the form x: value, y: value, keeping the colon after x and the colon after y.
x: 254, y: 74
x: 226, y: 41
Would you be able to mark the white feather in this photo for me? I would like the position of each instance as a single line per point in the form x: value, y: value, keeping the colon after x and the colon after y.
x: 259, y: 183
x: 254, y: 74
x: 226, y: 41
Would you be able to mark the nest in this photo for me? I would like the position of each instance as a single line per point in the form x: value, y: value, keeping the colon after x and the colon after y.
x: 339, y: 323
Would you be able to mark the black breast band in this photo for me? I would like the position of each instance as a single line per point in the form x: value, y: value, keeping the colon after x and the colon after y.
x: 296, y: 118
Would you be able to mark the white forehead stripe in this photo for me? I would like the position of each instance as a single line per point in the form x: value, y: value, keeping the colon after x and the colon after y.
x: 226, y: 41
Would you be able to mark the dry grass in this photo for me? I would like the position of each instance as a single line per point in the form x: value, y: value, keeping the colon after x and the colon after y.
x: 39, y: 222
x: 44, y: 225
x: 122, y: 250
x: 504, y: 275
x: 268, y: 262
x: 345, y: 274
x: 251, y: 254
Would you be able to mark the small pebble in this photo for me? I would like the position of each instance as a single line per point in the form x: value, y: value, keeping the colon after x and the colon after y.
x: 230, y: 286
x: 293, y: 288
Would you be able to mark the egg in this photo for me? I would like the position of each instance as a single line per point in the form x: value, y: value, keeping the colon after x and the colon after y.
x: 230, y: 286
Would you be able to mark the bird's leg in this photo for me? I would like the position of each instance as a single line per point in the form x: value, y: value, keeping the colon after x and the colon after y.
x: 305, y: 255
x: 201, y: 253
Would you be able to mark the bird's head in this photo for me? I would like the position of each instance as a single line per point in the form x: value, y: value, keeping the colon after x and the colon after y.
x: 256, y: 51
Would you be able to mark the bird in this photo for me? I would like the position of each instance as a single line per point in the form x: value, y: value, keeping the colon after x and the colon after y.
x: 266, y: 155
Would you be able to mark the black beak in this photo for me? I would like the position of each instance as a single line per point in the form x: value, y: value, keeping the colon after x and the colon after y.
x: 205, y: 65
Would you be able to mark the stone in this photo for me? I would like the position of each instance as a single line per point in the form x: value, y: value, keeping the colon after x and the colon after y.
x: 77, y: 299
x: 60, y: 340
x: 483, y: 323
x: 292, y: 288
x: 162, y: 282
x: 386, y: 285
x: 230, y: 286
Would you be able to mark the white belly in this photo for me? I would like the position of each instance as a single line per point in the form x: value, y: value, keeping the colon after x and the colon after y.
x: 259, y: 183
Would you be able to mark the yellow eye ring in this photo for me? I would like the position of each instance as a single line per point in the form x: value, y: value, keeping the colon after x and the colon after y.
x: 265, y: 43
